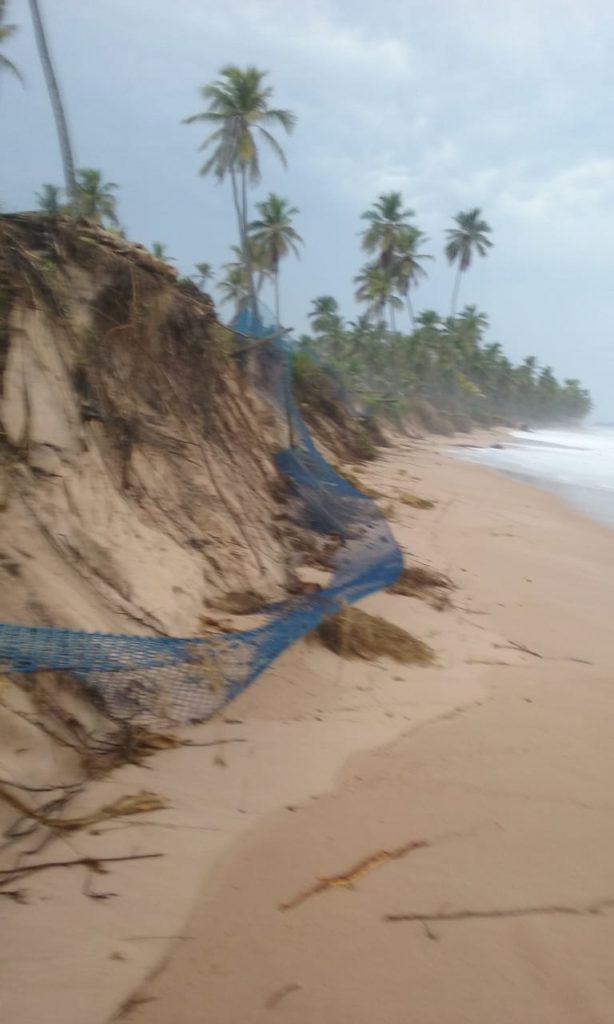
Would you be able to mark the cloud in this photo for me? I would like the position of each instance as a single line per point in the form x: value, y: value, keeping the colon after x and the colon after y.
x: 582, y: 190
x: 455, y: 103
x: 319, y: 33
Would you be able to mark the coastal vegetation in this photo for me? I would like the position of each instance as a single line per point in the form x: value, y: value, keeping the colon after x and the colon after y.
x: 441, y: 370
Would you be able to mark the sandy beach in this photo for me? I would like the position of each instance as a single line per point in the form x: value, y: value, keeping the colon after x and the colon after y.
x: 497, y: 762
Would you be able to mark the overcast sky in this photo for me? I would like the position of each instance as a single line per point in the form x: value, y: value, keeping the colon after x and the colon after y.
x: 456, y: 103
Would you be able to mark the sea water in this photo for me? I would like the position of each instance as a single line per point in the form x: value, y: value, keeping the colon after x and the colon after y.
x: 576, y: 463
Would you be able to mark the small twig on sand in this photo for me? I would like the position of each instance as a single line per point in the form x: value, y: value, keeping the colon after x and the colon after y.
x: 93, y: 863
x: 590, y: 909
x: 280, y: 994
x: 212, y: 743
x: 17, y: 895
x: 512, y: 645
x: 40, y: 789
x: 486, y: 661
x: 361, y: 868
x: 520, y: 647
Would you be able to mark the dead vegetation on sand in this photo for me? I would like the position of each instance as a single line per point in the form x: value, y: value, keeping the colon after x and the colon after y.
x: 424, y: 583
x: 407, y: 498
x: 246, y: 602
x: 354, y: 481
x: 356, y: 634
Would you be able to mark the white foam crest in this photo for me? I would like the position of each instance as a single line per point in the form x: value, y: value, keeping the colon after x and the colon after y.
x: 576, y: 463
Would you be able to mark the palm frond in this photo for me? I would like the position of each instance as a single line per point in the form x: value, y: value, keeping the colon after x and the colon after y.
x: 274, y: 144
x: 8, y: 65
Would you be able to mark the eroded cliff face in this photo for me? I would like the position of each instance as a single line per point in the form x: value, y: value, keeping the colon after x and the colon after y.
x: 137, y: 480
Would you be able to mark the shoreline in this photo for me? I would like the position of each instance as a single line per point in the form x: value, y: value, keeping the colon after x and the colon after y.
x: 319, y: 735
x: 485, y: 781
x: 570, y: 493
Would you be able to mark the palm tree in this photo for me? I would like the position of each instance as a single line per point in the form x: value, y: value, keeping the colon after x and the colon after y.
x: 49, y: 199
x: 529, y: 366
x: 575, y: 400
x: 234, y: 287
x: 428, y: 318
x: 387, y: 222
x: 160, y: 251
x: 57, y: 106
x: 276, y: 236
x: 6, y: 31
x: 95, y: 199
x: 239, y: 111
x: 469, y: 329
x: 205, y: 274
x: 324, y: 314
x: 376, y: 289
x: 328, y: 325
x: 469, y: 236
x: 474, y: 320
x: 408, y: 261
x: 258, y: 264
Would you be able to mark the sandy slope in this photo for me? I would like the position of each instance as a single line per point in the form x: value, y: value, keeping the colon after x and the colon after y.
x: 500, y: 760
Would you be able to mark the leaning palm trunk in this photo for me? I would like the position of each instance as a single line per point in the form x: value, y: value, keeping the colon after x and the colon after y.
x: 56, y: 104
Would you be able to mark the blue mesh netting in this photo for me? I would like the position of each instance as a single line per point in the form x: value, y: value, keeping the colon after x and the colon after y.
x: 147, y: 679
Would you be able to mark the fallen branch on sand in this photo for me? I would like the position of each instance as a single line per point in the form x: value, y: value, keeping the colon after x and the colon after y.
x: 361, y: 868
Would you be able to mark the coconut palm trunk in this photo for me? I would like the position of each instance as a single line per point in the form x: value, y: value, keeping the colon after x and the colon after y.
x: 238, y: 201
x: 276, y: 286
x: 57, y: 106
x: 410, y: 310
x: 457, y: 281
x: 247, y: 259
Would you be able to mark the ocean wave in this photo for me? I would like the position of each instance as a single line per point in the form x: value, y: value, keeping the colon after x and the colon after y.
x: 579, y: 464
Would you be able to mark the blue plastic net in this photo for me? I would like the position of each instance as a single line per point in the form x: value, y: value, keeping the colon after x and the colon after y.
x: 151, y: 679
